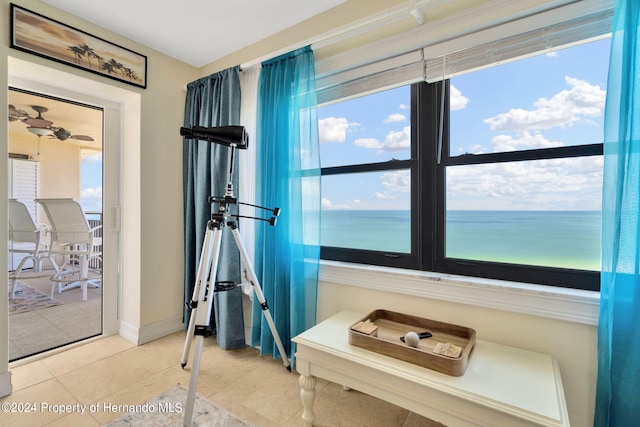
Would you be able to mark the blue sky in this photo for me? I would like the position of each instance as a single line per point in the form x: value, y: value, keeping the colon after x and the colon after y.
x: 554, y: 99
x: 91, y: 183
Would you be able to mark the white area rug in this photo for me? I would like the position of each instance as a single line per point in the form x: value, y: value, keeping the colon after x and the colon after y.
x: 167, y: 409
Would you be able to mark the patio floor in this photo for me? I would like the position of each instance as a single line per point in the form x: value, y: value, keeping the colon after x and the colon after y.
x: 43, y: 329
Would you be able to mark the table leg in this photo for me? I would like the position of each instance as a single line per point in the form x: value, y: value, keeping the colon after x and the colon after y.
x: 307, y: 395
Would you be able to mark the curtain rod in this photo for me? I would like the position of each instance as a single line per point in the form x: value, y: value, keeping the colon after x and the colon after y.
x: 361, y: 26
x: 386, y: 17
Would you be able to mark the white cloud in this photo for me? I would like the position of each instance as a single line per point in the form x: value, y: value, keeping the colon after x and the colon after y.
x: 334, y: 129
x: 383, y: 195
x: 367, y: 143
x: 396, y: 181
x: 394, y: 141
x: 571, y: 183
x: 397, y: 117
x: 524, y: 140
x: 563, y: 109
x: 457, y: 101
x: 328, y: 204
x: 404, y: 106
x: 91, y: 199
x: 397, y: 141
x: 93, y: 158
x: 91, y: 193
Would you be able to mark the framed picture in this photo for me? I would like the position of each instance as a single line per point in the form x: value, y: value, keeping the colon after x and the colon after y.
x: 39, y: 35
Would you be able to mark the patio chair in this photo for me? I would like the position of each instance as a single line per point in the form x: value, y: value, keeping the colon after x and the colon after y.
x: 75, y: 240
x: 27, y: 239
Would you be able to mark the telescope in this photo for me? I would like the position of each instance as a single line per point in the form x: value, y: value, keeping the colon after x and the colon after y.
x: 231, y: 136
x: 201, y: 302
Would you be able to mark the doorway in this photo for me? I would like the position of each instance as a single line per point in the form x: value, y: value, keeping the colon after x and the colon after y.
x: 121, y: 110
x: 55, y: 148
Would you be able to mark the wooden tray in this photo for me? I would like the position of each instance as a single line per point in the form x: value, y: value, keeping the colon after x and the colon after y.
x: 392, y: 326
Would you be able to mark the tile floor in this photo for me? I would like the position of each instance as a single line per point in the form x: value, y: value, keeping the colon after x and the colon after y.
x: 40, y: 330
x: 256, y: 388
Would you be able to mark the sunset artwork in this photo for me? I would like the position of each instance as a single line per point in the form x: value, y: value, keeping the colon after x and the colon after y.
x: 42, y: 36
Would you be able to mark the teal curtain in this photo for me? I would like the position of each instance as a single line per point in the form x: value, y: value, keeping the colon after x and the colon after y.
x: 618, y: 396
x: 288, y: 177
x: 211, y: 101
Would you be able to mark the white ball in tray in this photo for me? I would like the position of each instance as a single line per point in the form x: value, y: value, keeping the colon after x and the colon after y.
x: 412, y: 339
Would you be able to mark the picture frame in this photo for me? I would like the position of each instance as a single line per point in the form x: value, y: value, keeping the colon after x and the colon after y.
x: 45, y: 37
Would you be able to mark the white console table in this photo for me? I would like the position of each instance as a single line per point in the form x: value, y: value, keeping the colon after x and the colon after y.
x: 502, y: 386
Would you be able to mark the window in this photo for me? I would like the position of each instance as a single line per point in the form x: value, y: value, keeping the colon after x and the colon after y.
x: 369, y: 175
x: 500, y: 178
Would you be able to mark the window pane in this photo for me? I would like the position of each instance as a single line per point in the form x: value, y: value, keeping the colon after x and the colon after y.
x: 544, y: 212
x: 370, y: 129
x: 550, y: 100
x: 367, y: 211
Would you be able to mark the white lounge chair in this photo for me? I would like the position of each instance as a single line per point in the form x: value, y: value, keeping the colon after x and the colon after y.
x: 27, y: 239
x: 75, y: 240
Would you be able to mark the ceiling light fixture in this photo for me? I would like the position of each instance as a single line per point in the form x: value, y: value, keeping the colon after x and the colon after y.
x: 39, y: 131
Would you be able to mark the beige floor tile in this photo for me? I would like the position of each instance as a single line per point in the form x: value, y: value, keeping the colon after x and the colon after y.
x: 27, y: 375
x: 220, y: 369
x: 414, y: 420
x: 86, y: 354
x: 267, y: 388
x: 97, y: 380
x: 112, y: 371
x: 336, y: 407
x: 145, y: 390
x: 76, y: 420
x: 43, y: 400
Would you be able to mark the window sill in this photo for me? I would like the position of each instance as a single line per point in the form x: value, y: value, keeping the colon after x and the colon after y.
x: 571, y: 305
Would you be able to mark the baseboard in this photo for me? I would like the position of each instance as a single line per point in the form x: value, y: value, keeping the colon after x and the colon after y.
x: 145, y: 334
x: 5, y: 384
x: 129, y: 332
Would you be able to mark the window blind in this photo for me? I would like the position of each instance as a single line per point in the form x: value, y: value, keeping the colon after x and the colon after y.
x: 442, y: 55
x: 546, y: 39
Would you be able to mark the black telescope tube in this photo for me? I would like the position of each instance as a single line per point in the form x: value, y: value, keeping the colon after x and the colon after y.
x: 224, y: 135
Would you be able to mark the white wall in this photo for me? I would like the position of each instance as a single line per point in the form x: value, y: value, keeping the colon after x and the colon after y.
x: 59, y: 163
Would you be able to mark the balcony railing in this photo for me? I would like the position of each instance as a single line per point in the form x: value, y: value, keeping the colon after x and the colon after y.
x: 95, y: 219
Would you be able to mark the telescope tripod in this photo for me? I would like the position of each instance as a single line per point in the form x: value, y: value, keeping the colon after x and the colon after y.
x: 202, y: 300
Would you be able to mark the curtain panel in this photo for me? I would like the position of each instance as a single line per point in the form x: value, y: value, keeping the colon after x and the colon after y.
x: 617, y: 397
x: 288, y: 164
x: 211, y: 101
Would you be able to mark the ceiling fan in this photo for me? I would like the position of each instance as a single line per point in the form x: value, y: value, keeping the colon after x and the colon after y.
x: 41, y: 126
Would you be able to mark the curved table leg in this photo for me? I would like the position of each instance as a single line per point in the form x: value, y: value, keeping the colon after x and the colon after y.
x: 307, y: 395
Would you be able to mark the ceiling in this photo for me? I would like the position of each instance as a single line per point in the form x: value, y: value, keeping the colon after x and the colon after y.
x: 196, y: 32
x: 77, y: 119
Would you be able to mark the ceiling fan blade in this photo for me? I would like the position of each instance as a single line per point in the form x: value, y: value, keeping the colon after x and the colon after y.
x: 82, y: 137
x: 16, y: 114
x: 38, y: 123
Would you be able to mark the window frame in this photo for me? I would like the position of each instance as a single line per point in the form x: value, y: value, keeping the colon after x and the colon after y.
x: 386, y: 258
x: 428, y: 200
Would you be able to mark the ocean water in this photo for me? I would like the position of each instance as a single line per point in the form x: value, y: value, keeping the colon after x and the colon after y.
x: 567, y: 239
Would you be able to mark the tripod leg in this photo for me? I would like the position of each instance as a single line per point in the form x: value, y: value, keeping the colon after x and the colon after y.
x: 263, y: 303
x: 204, y: 267
x: 202, y: 322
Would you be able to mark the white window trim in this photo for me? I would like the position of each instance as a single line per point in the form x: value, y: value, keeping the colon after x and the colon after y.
x: 572, y: 305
